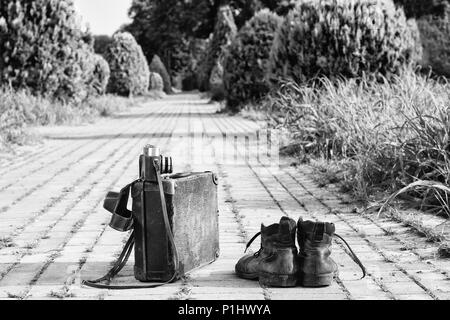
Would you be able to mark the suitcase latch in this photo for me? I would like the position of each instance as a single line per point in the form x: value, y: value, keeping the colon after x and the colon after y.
x: 215, y: 179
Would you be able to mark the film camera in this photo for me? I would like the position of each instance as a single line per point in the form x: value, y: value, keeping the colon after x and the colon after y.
x: 173, y: 221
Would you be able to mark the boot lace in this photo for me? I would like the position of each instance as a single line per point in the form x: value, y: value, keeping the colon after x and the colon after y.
x: 352, y: 253
x: 353, y: 256
x: 257, y: 253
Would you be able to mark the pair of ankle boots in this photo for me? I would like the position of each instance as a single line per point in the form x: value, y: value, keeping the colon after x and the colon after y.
x: 278, y: 263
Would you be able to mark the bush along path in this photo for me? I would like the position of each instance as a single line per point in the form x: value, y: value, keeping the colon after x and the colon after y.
x: 54, y: 232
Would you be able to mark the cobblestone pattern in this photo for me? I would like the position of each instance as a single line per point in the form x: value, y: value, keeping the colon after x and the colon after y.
x: 54, y: 232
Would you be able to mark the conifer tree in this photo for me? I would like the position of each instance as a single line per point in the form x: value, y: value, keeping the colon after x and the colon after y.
x: 43, y: 48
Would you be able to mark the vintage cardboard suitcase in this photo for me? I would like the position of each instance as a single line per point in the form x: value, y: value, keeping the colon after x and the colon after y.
x: 191, y: 201
x: 174, y: 219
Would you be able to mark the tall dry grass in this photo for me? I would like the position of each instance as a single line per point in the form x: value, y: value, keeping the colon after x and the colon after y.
x: 374, y: 137
x: 20, y: 109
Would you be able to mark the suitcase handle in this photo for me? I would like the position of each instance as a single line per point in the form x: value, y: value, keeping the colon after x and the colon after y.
x: 189, y: 174
x: 184, y: 175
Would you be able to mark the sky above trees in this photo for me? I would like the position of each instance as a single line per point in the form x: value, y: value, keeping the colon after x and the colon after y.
x: 103, y: 16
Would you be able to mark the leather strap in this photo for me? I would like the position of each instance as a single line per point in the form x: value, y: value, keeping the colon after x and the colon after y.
x: 118, y: 222
x: 122, y: 218
x: 176, y: 258
x: 118, y: 266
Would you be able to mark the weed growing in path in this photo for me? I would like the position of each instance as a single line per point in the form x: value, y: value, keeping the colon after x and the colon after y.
x: 6, y: 242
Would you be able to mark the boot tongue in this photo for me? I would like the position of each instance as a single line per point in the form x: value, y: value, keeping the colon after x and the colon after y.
x: 267, y: 233
x: 286, y: 231
x: 287, y: 228
x: 278, y: 232
x: 318, y: 228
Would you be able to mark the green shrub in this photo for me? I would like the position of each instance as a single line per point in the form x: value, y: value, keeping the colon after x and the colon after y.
x: 84, y: 73
x: 224, y: 32
x: 433, y: 20
x: 435, y: 36
x: 101, y: 75
x: 415, y: 42
x: 156, y: 82
x: 128, y: 65
x: 189, y: 76
x: 419, y: 8
x: 280, y: 7
x: 101, y: 44
x: 12, y: 120
x: 42, y: 48
x: 216, y: 85
x: 247, y: 58
x: 202, y: 67
x: 341, y: 38
x: 189, y: 82
x: 158, y: 67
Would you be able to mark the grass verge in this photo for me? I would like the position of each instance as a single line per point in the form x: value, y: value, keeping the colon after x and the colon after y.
x: 371, y: 138
x: 20, y: 109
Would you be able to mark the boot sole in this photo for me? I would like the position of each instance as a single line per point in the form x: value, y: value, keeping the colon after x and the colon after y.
x: 277, y: 280
x: 311, y: 280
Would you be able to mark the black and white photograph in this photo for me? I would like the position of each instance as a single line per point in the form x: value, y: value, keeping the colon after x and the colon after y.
x: 240, y: 152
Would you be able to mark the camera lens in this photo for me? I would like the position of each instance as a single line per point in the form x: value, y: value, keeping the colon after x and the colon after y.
x: 166, y: 165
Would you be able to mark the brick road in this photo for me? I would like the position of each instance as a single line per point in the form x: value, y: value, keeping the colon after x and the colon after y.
x: 54, y: 232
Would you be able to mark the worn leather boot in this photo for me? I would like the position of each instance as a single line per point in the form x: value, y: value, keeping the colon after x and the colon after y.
x: 317, y: 269
x: 275, y: 264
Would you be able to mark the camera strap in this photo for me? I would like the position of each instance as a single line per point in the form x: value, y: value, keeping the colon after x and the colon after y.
x: 122, y: 220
